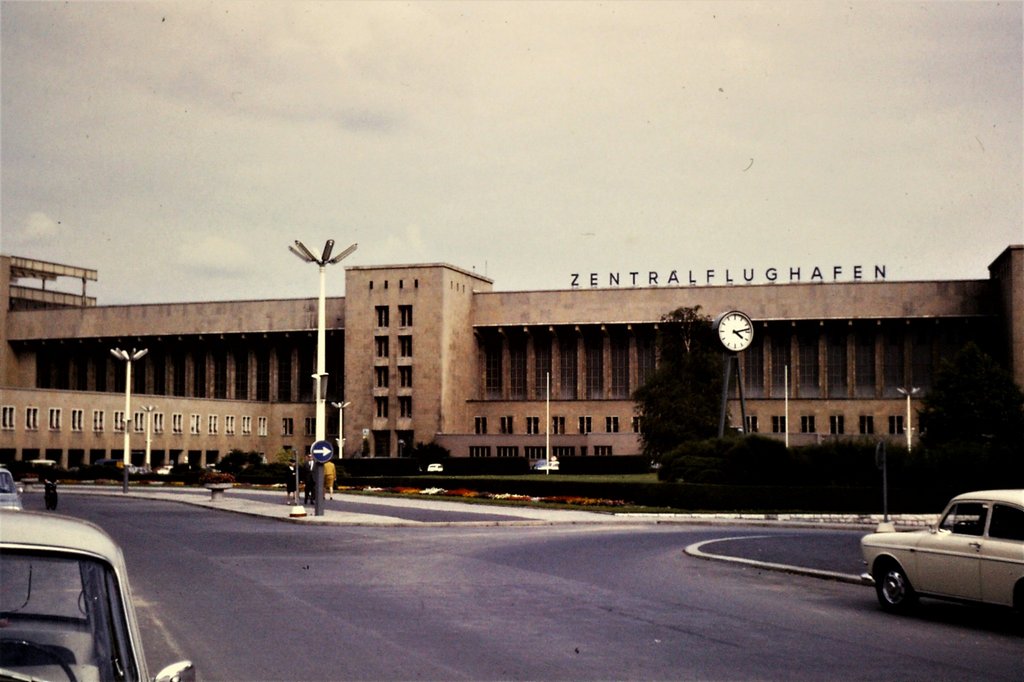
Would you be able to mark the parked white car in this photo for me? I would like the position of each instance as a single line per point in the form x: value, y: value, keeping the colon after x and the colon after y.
x: 974, y: 553
x: 66, y: 610
x: 10, y: 491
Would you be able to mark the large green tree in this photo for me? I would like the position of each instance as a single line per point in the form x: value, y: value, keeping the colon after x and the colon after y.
x: 972, y: 421
x: 682, y: 398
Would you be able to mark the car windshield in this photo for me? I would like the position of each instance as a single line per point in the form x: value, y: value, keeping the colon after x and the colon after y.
x: 6, y: 482
x: 61, y: 617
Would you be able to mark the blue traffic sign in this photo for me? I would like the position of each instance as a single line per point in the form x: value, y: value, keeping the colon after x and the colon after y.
x: 322, y: 451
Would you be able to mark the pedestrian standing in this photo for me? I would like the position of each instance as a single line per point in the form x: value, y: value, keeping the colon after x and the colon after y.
x: 291, y: 483
x: 330, y: 473
x: 309, y: 480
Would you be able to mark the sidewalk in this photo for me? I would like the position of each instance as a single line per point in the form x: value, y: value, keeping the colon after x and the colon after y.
x: 401, y: 512
x: 269, y: 504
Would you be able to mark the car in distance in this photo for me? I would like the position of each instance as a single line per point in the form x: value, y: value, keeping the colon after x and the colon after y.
x: 435, y: 468
x: 544, y: 465
x: 66, y: 606
x: 10, y: 491
x: 974, y: 553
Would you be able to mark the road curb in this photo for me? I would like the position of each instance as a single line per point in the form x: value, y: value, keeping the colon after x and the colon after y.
x: 695, y: 550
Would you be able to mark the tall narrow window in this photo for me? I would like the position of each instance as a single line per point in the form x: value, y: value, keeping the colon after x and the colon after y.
x: 892, y: 365
x: 220, y: 375
x: 242, y: 375
x: 383, y: 317
x: 542, y: 364
x: 284, y: 375
x: 781, y: 364
x: 199, y: 374
x: 405, y: 315
x: 837, y: 384
x: 492, y: 369
x: 865, y: 364
x: 517, y: 370
x: 645, y: 357
x: 569, y: 369
x: 753, y: 369
x: 620, y: 366
x: 381, y: 346
x: 263, y: 375
x: 809, y: 385
x: 595, y: 367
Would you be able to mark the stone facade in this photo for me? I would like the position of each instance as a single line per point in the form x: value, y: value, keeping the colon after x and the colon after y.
x: 430, y: 352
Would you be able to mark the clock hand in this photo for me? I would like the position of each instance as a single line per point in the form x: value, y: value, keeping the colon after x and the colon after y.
x: 740, y: 332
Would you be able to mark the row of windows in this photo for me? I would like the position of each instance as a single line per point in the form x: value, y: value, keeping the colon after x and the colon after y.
x: 538, y: 451
x: 382, y: 377
x: 404, y: 406
x: 585, y: 425
x: 382, y: 346
x: 283, y: 373
x: 9, y: 421
x: 383, y: 313
x: 808, y: 424
x: 836, y: 424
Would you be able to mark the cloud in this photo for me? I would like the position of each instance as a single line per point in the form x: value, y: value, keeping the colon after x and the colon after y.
x: 39, y: 227
x: 214, y: 255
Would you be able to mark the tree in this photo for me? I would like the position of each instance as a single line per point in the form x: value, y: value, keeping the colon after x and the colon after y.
x: 682, y: 399
x: 972, y: 421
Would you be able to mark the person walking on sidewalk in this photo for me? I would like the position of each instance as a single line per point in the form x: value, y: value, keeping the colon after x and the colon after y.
x: 330, y: 474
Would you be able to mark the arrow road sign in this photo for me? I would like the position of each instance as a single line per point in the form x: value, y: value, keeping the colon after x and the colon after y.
x: 322, y: 451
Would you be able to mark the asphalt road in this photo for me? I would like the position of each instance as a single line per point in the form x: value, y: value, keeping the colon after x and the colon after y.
x: 257, y: 599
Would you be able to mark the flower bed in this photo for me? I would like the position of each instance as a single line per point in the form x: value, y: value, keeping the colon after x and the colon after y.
x: 465, y: 493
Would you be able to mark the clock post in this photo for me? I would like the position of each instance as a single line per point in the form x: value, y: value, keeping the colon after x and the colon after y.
x: 736, y: 332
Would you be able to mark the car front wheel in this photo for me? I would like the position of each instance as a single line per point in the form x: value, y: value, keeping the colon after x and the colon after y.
x: 895, y: 593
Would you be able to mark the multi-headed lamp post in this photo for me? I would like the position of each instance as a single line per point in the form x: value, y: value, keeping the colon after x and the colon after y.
x: 325, y: 259
x: 128, y: 359
x: 148, y: 409
x: 341, y: 426
x: 909, y: 391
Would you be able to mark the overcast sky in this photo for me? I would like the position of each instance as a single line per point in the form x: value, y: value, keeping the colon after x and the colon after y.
x: 178, y: 148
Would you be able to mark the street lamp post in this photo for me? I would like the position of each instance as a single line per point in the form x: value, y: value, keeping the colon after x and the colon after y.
x: 341, y: 426
x: 128, y: 359
x: 909, y: 391
x: 148, y: 409
x: 300, y: 250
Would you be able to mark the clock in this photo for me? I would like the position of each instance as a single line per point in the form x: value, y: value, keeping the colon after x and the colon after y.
x: 735, y: 330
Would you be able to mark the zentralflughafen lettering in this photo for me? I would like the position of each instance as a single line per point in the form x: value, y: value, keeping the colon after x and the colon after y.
x: 712, y: 276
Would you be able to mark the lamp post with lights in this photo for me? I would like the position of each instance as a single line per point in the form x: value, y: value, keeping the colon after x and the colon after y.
x: 909, y: 391
x: 148, y: 409
x: 320, y: 378
x: 128, y: 359
x: 341, y: 426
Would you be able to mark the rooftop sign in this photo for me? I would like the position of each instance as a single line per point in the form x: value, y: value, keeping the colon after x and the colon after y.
x: 728, y: 276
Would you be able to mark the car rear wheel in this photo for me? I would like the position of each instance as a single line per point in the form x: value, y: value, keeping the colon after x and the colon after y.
x: 895, y: 593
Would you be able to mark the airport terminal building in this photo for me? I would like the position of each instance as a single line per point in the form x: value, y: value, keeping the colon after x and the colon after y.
x: 432, y: 353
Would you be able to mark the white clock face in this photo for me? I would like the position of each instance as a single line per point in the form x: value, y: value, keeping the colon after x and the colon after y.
x: 735, y: 331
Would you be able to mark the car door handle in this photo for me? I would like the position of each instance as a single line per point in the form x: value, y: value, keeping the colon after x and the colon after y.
x: 975, y: 545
